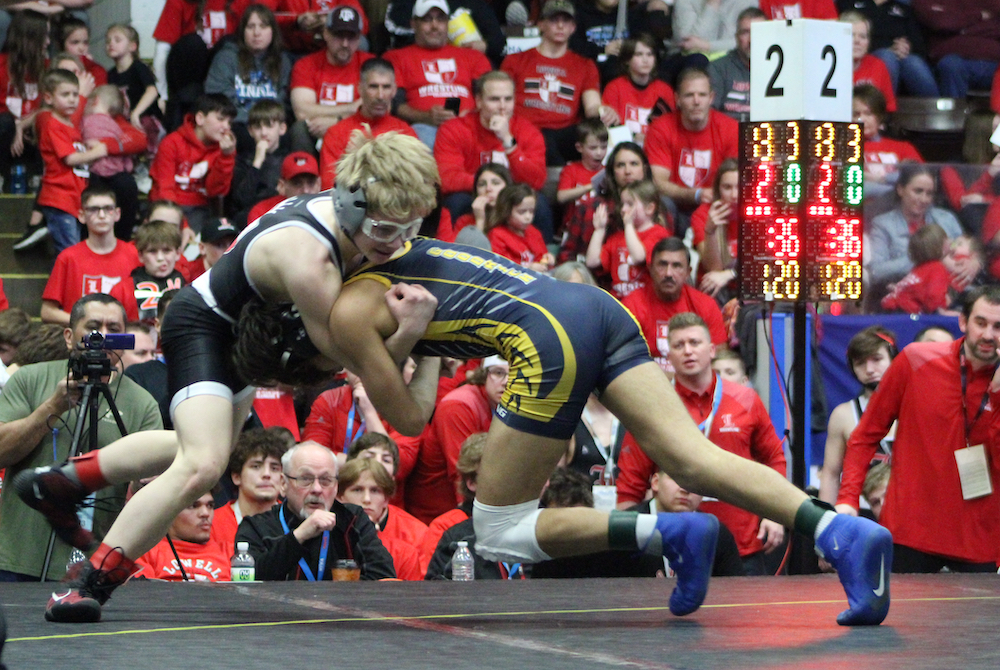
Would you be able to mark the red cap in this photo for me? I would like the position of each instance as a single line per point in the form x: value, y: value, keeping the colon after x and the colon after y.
x: 297, y: 163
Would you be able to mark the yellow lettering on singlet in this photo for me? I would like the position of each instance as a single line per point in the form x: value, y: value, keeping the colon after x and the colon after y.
x: 480, y: 262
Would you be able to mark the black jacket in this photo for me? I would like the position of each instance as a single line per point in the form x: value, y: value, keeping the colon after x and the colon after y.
x: 277, y: 554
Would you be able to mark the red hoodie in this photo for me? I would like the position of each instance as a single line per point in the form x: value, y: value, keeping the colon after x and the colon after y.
x: 188, y: 171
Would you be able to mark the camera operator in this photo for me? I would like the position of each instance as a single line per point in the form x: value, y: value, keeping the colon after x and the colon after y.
x: 38, y: 411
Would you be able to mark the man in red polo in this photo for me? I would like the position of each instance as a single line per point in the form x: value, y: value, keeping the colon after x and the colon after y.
x: 733, y: 418
x: 378, y: 88
x: 667, y: 294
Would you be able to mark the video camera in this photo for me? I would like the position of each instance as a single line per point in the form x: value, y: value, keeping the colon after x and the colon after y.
x: 93, y: 364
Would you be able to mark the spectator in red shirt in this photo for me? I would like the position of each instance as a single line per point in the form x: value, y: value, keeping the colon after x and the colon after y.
x: 637, y: 92
x: 95, y: 265
x: 255, y: 469
x: 553, y: 84
x: 493, y: 134
x: 716, y: 234
x: 378, y: 88
x: 925, y: 289
x: 202, y: 559
x: 882, y: 154
x: 686, y: 147
x: 65, y: 156
x: 868, y: 69
x: 74, y: 38
x: 668, y: 293
x: 510, y: 232
x: 491, y: 179
x: 325, y: 84
x: 576, y: 181
x: 195, y: 163
x: 435, y: 75
x: 302, y: 21
x: 22, y: 65
x: 623, y: 254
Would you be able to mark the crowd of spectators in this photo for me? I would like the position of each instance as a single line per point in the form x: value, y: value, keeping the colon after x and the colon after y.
x: 148, y: 172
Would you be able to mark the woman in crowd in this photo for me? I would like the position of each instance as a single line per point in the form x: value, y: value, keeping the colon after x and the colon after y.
x: 716, y: 232
x: 637, y: 92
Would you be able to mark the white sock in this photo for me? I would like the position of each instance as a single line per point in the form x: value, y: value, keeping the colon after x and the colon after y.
x: 827, y: 517
x: 646, y: 536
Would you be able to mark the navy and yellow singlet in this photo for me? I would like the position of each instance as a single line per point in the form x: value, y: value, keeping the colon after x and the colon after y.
x: 561, y: 340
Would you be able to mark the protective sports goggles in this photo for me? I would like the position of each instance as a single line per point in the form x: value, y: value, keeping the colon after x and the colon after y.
x: 387, y: 231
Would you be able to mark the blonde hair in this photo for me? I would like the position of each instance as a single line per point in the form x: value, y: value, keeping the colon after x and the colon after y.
x: 112, y: 98
x: 399, y: 174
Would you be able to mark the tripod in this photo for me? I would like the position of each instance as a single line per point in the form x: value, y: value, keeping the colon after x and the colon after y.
x: 92, y: 367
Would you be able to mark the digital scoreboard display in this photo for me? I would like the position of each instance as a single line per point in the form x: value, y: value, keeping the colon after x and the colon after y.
x: 800, y: 208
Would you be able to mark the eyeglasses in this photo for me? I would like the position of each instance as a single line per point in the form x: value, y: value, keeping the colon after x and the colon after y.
x: 387, y: 231
x: 306, y: 481
x: 102, y: 209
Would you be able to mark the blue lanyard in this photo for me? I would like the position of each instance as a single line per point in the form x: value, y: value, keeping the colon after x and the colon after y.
x: 322, y: 551
x: 348, y: 438
x: 706, y: 426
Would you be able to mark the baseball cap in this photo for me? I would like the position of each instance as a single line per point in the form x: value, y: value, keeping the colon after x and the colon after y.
x: 343, y: 19
x: 296, y: 163
x: 553, y: 7
x: 217, y: 229
x: 421, y: 7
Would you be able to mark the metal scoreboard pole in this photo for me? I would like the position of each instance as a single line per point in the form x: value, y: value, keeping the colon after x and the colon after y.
x: 801, y: 186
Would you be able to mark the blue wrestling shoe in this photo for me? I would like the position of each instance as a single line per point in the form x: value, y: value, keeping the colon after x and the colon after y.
x: 861, y: 552
x: 689, y: 544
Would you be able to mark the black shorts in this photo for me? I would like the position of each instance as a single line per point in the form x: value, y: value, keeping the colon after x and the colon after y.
x: 197, y: 346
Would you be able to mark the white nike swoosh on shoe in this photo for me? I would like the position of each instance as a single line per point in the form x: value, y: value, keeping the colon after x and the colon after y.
x: 57, y: 597
x: 881, y: 580
x: 836, y: 547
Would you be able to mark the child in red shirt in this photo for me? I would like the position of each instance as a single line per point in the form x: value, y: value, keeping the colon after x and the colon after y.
x: 64, y: 155
x: 623, y: 255
x: 195, y: 162
x: 925, y: 289
x: 576, y: 179
x: 74, y: 38
x: 511, y: 233
x: 490, y: 180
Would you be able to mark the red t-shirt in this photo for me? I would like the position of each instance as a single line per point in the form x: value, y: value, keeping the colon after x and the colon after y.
x: 224, y: 526
x: 99, y: 73
x: 339, y: 134
x: 626, y: 274
x: 634, y: 104
x: 180, y: 17
x: 889, y: 153
x: 463, y: 144
x: 431, y: 76
x: 549, y: 90
x: 275, y: 407
x: 207, y: 562
x: 871, y: 70
x: 523, y: 249
x: 431, y: 491
x: 923, y: 291
x: 923, y: 390
x: 403, y: 526
x: 61, y: 184
x: 78, y: 271
x: 741, y: 426
x: 259, y: 210
x: 803, y: 9
x: 692, y: 157
x: 451, y: 232
x: 332, y: 84
x: 654, y: 314
x: 13, y: 102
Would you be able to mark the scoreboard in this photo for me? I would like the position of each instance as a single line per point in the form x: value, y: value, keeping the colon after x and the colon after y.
x: 800, y: 209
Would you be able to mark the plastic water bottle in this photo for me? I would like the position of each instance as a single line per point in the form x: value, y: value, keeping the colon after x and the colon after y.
x: 18, y: 180
x: 462, y: 567
x: 242, y: 568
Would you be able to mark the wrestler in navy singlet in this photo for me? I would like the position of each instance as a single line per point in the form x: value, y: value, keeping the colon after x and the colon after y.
x: 561, y: 340
x: 198, y: 326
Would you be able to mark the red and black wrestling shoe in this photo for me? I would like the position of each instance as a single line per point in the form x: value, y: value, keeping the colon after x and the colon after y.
x: 88, y: 585
x: 57, y: 497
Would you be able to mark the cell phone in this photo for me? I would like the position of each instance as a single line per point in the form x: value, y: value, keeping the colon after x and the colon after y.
x: 453, y: 105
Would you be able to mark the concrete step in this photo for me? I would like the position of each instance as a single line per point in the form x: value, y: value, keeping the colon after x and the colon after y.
x: 25, y: 291
x: 24, y: 273
x: 15, y: 211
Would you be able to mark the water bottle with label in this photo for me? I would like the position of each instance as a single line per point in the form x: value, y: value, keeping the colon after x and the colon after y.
x: 462, y: 566
x: 18, y: 180
x: 242, y: 567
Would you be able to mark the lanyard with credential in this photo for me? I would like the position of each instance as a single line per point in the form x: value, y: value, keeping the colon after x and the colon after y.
x: 348, y: 438
x: 706, y: 426
x: 322, y: 551
x: 609, y: 453
x: 965, y: 386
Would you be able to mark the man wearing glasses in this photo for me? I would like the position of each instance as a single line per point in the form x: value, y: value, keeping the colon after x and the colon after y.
x: 298, y: 253
x: 95, y: 265
x: 303, y: 538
